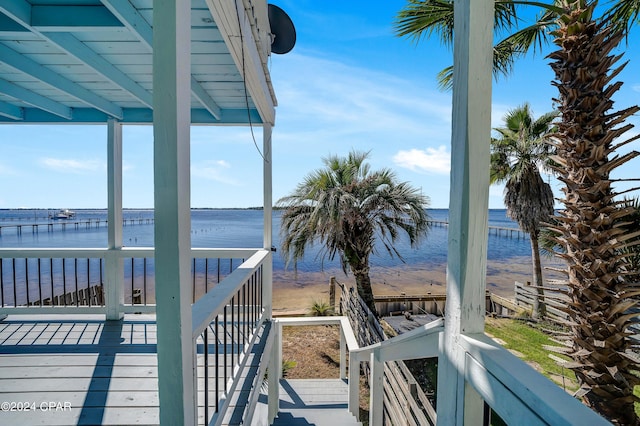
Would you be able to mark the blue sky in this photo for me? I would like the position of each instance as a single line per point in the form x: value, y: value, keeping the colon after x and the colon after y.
x: 349, y: 83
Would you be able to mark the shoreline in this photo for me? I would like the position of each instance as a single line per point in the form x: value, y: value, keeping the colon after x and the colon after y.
x: 294, y: 294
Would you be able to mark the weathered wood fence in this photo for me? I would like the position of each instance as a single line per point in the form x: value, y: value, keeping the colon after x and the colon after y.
x: 525, y: 295
x: 405, y: 403
x: 416, y: 304
x: 89, y: 296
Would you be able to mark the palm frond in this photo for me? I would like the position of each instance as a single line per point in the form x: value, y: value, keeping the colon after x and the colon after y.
x: 342, y: 208
x: 419, y: 19
x: 623, y: 14
x: 426, y: 18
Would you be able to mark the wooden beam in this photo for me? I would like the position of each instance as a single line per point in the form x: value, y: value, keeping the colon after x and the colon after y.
x: 76, y: 48
x: 72, y: 18
x: 132, y: 116
x: 231, y: 17
x: 50, y: 22
x: 34, y: 99
x: 9, y: 26
x: 132, y: 19
x: 30, y: 67
x: 11, y: 111
x: 18, y: 10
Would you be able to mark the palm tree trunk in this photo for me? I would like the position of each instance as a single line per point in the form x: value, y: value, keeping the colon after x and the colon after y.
x: 602, y: 297
x: 363, y: 283
x: 539, y: 307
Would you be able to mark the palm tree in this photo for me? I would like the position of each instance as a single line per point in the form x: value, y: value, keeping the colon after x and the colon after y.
x: 346, y: 207
x: 423, y: 18
x: 519, y: 152
x: 602, y: 298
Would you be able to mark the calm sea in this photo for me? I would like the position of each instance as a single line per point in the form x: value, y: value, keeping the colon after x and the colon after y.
x: 235, y: 229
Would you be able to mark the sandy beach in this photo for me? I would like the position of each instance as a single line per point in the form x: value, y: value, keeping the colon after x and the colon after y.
x: 294, y: 293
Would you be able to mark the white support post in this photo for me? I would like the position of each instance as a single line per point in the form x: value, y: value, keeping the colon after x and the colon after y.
x: 467, y: 250
x: 343, y: 355
x: 172, y: 120
x: 273, y: 375
x: 267, y: 177
x: 267, y: 170
x: 114, y: 275
x: 376, y: 388
x: 354, y: 385
x: 278, y: 344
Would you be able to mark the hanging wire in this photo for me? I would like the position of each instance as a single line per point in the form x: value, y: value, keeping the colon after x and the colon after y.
x: 244, y: 84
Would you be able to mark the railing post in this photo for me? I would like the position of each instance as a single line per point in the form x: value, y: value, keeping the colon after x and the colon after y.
x: 267, y: 286
x: 113, y: 287
x: 273, y: 375
x: 278, y: 345
x: 332, y: 293
x: 343, y: 355
x: 376, y: 387
x: 114, y: 283
x: 354, y: 385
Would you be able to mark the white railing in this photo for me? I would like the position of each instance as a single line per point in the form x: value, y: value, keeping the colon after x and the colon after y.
x: 227, y: 320
x: 233, y: 315
x: 121, y: 272
x: 348, y: 344
x: 422, y: 342
x: 518, y: 393
x: 515, y: 391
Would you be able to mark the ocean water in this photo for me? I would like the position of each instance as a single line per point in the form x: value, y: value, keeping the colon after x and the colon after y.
x: 235, y: 229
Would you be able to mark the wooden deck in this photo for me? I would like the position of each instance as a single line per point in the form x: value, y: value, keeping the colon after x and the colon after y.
x: 90, y: 371
x: 65, y: 370
x: 83, y: 370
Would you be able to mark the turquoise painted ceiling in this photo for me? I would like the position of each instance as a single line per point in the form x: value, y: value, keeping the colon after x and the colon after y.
x: 85, y: 61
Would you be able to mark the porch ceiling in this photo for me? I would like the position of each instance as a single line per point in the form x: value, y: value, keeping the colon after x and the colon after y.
x: 85, y: 61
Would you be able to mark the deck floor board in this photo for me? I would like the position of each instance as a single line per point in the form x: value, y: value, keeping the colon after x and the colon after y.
x: 85, y: 371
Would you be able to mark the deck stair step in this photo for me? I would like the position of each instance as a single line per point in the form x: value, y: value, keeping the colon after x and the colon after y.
x: 319, y: 402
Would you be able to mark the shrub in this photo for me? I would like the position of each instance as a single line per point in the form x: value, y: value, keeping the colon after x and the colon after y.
x: 320, y: 309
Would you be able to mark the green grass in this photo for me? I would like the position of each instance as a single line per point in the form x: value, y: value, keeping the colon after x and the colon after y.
x: 528, y: 340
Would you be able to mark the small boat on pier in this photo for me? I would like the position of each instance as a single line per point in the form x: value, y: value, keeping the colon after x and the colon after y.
x: 63, y: 214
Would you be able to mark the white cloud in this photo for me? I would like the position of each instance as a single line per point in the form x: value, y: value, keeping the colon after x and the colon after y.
x: 68, y: 165
x: 432, y: 160
x: 223, y: 164
x: 325, y: 100
x: 214, y: 170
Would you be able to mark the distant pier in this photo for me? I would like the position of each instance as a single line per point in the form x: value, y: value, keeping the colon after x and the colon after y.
x: 500, y: 231
x: 64, y: 224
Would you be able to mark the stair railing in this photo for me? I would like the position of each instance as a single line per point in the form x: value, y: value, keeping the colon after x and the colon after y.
x: 421, y: 342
